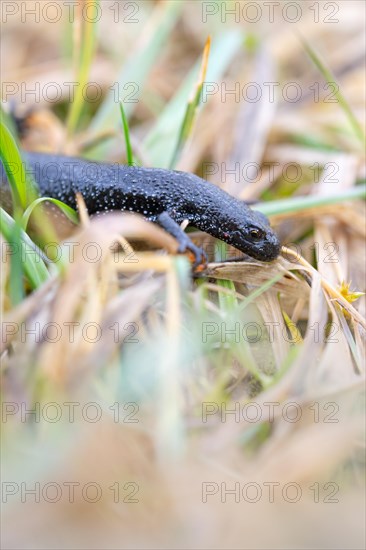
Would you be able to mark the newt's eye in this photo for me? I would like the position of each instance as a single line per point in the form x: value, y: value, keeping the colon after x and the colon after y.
x: 256, y: 234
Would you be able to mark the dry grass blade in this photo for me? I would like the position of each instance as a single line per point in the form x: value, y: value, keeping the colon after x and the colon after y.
x: 333, y: 293
x: 253, y: 125
x: 192, y: 107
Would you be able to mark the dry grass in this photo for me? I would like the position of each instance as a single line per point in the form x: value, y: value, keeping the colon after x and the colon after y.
x: 171, y: 358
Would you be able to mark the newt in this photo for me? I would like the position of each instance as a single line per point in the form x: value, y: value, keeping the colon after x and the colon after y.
x: 165, y: 197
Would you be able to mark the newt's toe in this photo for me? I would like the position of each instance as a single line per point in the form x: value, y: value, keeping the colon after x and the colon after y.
x: 196, y: 255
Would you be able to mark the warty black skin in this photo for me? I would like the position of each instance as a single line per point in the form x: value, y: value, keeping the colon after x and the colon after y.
x: 163, y: 196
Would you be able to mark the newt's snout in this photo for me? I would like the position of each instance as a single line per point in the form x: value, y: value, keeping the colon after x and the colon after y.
x: 271, y: 248
x: 265, y: 250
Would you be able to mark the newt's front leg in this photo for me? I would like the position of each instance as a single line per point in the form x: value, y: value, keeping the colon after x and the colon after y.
x: 199, y: 258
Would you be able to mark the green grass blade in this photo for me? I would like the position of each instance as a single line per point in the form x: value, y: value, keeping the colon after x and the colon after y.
x: 228, y: 302
x: 259, y: 291
x: 161, y: 140
x: 297, y: 204
x: 16, y: 287
x: 86, y: 43
x: 24, y: 257
x: 126, y: 131
x: 313, y: 143
x: 8, y: 120
x: 22, y: 186
x: 292, y: 328
x: 67, y: 210
x: 329, y: 77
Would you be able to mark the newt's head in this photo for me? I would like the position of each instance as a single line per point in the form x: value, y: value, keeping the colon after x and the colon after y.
x: 250, y: 233
x: 223, y: 216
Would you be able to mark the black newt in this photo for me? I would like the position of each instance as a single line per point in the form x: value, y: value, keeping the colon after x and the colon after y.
x: 162, y: 196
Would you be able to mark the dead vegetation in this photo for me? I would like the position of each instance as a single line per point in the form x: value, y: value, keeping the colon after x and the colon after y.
x: 165, y: 357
